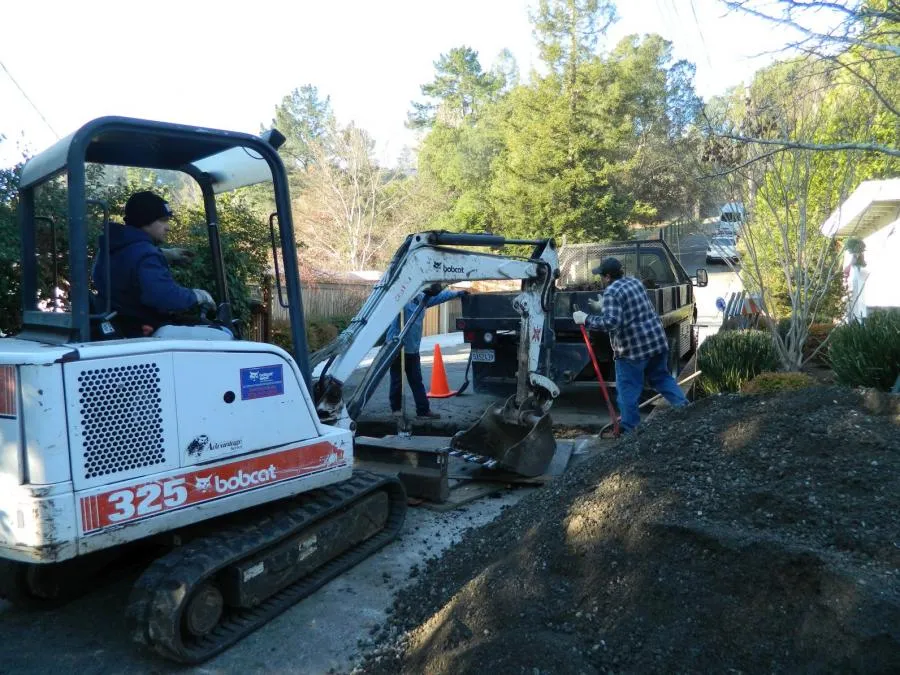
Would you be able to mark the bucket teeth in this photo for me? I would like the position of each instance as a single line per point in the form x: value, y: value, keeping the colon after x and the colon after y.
x: 503, y: 438
x: 486, y: 462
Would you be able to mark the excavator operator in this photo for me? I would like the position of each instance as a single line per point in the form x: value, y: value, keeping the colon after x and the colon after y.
x: 143, y: 293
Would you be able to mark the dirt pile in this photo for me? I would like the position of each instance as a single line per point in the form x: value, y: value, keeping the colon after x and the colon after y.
x: 743, y: 534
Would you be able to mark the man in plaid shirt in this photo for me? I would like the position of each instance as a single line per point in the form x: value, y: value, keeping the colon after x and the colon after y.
x: 638, y: 341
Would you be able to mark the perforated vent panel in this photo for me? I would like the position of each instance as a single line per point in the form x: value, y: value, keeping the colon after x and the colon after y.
x: 121, y: 418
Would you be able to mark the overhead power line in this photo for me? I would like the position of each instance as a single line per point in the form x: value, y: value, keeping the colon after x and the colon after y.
x: 700, y: 31
x: 22, y: 91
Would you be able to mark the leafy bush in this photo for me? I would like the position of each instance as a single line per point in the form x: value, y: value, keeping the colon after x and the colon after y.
x: 281, y: 336
x: 319, y: 332
x: 10, y: 253
x: 243, y: 234
x: 867, y: 354
x: 50, y: 201
x: 730, y: 359
x: 771, y: 383
x: 818, y: 333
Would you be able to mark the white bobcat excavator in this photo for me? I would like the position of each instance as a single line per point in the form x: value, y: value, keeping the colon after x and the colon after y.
x: 218, y: 449
x: 515, y: 436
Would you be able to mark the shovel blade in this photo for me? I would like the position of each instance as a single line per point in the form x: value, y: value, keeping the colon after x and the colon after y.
x: 525, y: 448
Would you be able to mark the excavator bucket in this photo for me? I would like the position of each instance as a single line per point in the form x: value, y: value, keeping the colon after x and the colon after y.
x: 519, y: 440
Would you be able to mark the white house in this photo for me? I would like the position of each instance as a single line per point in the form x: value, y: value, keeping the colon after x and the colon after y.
x: 872, y: 214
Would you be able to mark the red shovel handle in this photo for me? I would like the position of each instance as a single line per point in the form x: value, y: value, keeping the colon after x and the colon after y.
x: 609, y: 405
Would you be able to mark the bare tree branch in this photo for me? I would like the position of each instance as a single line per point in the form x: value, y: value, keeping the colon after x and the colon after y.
x: 863, y: 11
x: 865, y: 80
x: 846, y: 40
x: 785, y: 144
x: 743, y: 165
x: 347, y: 212
x: 786, y: 258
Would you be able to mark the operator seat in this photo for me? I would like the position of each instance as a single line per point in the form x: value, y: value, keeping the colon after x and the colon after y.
x: 103, y: 326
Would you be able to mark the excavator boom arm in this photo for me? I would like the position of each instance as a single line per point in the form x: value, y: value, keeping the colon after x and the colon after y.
x: 422, y: 261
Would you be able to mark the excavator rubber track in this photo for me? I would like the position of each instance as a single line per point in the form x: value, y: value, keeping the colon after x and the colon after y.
x: 158, y: 613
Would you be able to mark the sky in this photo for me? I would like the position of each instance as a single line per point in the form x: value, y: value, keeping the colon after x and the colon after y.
x: 227, y: 64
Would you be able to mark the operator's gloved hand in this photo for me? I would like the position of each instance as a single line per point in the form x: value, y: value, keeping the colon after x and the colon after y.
x: 596, y: 305
x: 579, y: 317
x: 178, y: 256
x: 204, y: 299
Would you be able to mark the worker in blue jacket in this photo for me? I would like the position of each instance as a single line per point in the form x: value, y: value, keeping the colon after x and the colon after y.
x: 143, y: 293
x: 412, y: 342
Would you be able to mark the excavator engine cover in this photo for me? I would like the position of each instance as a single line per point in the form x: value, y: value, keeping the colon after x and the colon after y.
x: 520, y: 439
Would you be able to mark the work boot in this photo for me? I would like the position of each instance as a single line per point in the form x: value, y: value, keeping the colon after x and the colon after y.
x: 430, y: 415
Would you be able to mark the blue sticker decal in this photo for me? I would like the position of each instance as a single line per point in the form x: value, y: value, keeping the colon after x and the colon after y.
x: 261, y: 382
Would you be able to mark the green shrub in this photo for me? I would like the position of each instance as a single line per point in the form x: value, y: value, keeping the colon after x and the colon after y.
x: 319, y: 332
x: 730, y: 359
x: 818, y: 333
x: 281, y: 336
x: 772, y: 383
x: 867, y: 354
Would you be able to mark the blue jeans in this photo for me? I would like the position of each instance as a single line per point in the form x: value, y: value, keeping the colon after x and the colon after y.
x: 414, y: 376
x: 630, y: 374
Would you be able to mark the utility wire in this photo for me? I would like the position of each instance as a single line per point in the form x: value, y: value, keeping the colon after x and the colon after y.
x: 700, y: 31
x: 22, y: 91
x: 668, y: 11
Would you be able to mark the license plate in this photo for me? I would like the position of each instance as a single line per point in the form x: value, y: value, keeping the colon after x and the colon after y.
x: 483, y: 355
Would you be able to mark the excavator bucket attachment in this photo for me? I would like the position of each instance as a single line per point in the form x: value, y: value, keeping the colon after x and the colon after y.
x: 520, y: 440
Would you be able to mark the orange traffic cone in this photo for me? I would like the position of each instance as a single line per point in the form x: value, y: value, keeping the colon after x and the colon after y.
x: 439, y: 386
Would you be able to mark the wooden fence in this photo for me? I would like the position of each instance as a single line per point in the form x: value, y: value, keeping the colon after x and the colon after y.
x: 327, y: 300
x: 442, y: 319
